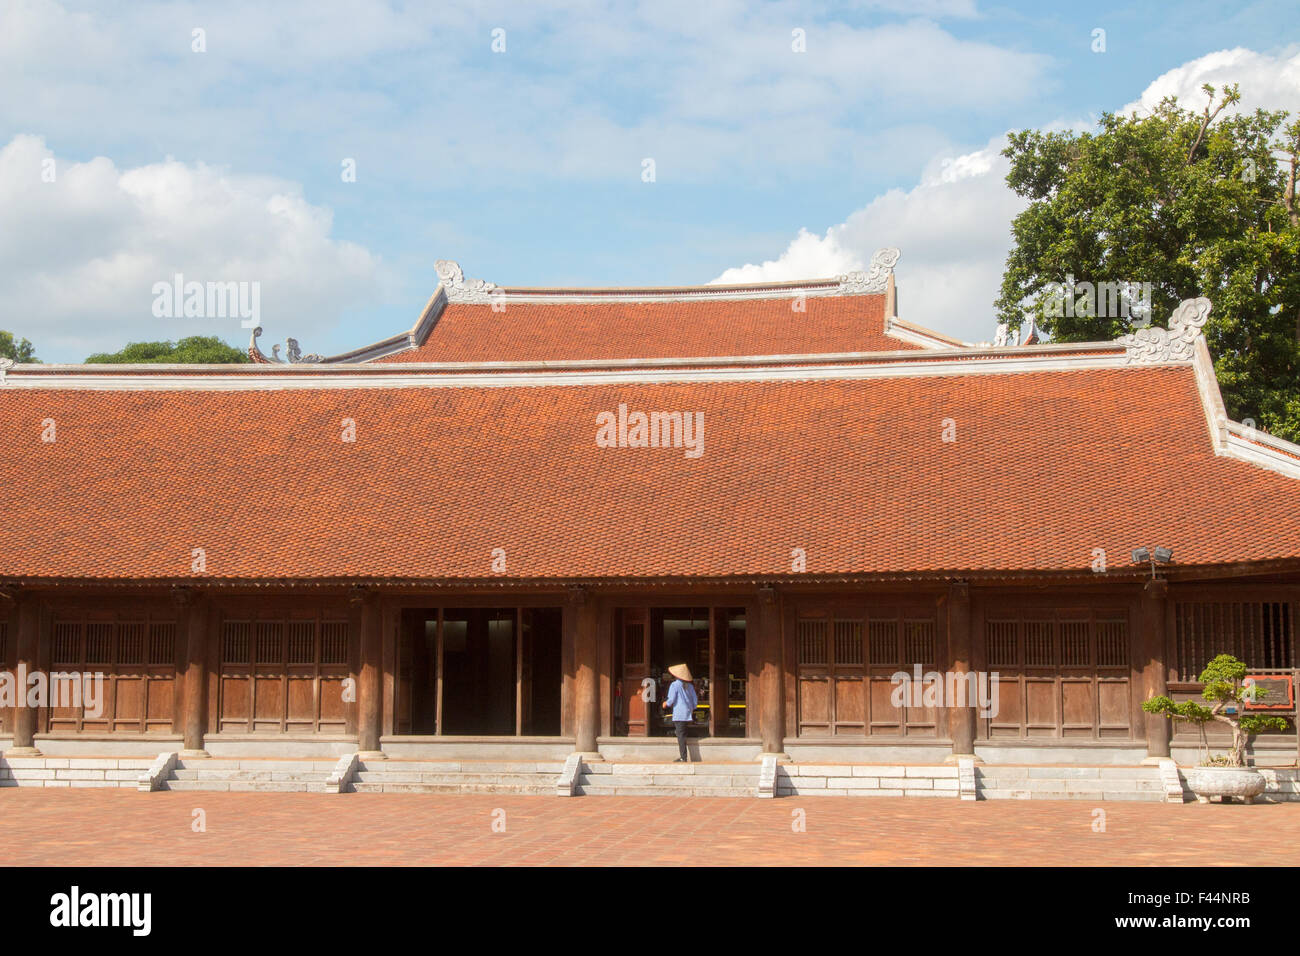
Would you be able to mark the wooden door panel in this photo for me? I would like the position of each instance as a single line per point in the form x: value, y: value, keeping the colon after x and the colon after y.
x: 886, y: 719
x: 1040, y: 707
x: 814, y: 704
x: 850, y: 704
x: 1114, y: 706
x: 1078, y: 707
x: 636, y: 668
x: 1010, y: 717
x: 1059, y: 673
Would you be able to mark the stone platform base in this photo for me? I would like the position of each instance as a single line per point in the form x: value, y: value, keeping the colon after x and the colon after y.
x: 359, y: 773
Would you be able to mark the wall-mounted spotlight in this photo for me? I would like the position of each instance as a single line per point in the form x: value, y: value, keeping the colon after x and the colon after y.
x: 1153, y: 556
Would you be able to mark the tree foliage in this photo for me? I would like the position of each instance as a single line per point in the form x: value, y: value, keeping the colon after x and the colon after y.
x: 1196, y: 204
x: 20, y: 350
x: 195, y: 350
x: 1227, y: 697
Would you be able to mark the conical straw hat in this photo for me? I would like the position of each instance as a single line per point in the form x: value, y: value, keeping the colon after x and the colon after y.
x: 681, y: 672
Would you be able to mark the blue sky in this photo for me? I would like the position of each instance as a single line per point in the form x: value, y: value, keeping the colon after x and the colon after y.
x: 526, y: 165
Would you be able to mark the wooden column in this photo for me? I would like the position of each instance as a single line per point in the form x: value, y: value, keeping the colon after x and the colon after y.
x: 719, y: 703
x: 961, y: 719
x: 197, y: 620
x: 370, y: 681
x: 771, y: 672
x: 1155, y: 674
x: 585, y: 614
x: 33, y: 629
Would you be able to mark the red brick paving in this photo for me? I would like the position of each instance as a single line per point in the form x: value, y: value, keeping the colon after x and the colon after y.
x: 128, y: 828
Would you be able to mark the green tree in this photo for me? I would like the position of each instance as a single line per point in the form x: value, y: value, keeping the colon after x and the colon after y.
x: 20, y: 350
x: 195, y: 350
x: 1228, y: 698
x: 1196, y: 204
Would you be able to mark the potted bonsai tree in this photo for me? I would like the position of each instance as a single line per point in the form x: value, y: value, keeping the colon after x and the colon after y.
x: 1223, y: 775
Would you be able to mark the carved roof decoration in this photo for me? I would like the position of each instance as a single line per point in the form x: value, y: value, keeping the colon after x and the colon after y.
x: 460, y: 289
x: 876, y: 279
x: 1153, y: 345
x: 559, y: 323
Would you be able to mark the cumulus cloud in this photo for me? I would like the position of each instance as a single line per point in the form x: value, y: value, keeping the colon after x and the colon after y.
x: 79, y: 255
x: 588, y: 88
x: 1270, y: 81
x: 954, y: 226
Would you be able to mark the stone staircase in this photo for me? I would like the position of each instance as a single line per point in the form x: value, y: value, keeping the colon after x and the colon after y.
x: 578, y: 777
x: 999, y: 782
x: 249, y: 774
x: 668, y: 779
x: 456, y: 776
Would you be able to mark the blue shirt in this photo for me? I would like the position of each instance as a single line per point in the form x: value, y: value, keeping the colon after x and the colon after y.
x: 682, y: 699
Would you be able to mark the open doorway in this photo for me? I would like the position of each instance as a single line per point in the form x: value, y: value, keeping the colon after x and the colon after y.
x: 479, y: 672
x: 710, y: 641
x: 541, y: 676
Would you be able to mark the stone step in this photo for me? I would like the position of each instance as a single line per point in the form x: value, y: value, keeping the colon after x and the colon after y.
x: 1148, y: 796
x: 458, y: 766
x: 1068, y: 773
x: 247, y: 786
x: 546, y: 789
x: 659, y: 791
x: 1074, y: 786
x: 258, y: 765
x: 469, y: 777
x: 685, y: 769
x: 669, y: 781
x: 252, y: 775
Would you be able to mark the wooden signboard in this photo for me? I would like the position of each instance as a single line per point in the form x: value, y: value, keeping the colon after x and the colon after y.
x: 1276, y: 692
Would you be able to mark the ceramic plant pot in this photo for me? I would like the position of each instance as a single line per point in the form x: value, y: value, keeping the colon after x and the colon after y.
x: 1226, y: 782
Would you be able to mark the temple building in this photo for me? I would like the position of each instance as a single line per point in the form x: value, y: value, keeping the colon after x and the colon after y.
x: 488, y: 536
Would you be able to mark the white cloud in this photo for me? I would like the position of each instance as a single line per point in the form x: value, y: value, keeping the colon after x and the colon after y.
x: 953, y: 229
x: 83, y: 252
x: 1267, y: 81
x: 586, y: 89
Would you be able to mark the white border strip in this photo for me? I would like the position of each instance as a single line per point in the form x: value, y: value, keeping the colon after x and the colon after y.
x: 1231, y: 439
x: 512, y: 379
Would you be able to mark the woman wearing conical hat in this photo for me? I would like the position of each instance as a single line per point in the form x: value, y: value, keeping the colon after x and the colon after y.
x: 681, y: 698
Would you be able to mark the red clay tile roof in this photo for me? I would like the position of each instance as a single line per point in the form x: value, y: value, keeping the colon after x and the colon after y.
x: 1046, y: 467
x: 529, y: 331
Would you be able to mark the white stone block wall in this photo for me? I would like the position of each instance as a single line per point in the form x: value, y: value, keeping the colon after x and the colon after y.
x: 866, y: 780
x: 75, y: 772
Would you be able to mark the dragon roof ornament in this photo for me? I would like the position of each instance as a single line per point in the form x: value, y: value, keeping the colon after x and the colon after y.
x: 1154, y: 345
x: 294, y: 354
x: 876, y: 279
x: 460, y: 289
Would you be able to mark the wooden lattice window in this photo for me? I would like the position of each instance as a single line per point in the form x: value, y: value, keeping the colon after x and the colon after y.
x: 1076, y: 649
x: 1002, y: 648
x: 1040, y: 647
x: 283, y: 675
x: 1112, y: 643
x: 919, y: 637
x: 1063, y: 673
x: 133, y: 662
x: 883, y: 637
x: 812, y: 642
x: 1261, y: 633
x: 848, y: 642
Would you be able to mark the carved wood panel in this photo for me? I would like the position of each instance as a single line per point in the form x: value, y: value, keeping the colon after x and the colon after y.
x: 284, y: 675
x: 847, y: 662
x: 1062, y: 673
x: 135, y: 661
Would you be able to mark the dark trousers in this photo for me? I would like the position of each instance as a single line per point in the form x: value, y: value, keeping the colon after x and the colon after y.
x: 680, y: 726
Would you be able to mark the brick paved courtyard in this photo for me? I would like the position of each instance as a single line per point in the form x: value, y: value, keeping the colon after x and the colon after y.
x: 102, y: 827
